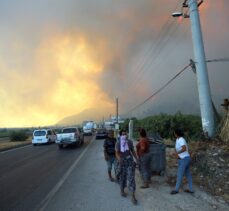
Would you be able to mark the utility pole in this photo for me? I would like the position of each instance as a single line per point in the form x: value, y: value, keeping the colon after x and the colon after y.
x: 131, y: 123
x: 116, y: 124
x: 117, y: 110
x: 206, y: 109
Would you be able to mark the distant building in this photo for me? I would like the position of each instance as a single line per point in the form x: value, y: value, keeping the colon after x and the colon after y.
x: 114, y: 119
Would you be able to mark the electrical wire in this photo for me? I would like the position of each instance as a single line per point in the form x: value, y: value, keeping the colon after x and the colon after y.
x: 165, y: 30
x: 159, y: 90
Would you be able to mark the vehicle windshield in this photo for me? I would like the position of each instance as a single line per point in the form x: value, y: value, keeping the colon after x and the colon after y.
x: 101, y: 131
x: 69, y: 130
x: 40, y: 133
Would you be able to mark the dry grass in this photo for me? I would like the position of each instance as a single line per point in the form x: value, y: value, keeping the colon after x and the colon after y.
x: 9, y: 144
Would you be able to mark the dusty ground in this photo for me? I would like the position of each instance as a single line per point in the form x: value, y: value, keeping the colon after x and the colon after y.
x: 87, y: 188
x: 210, y: 168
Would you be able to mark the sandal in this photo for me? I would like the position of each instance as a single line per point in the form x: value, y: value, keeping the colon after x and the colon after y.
x: 111, y: 179
x: 123, y: 194
x: 144, y: 186
x: 134, y: 200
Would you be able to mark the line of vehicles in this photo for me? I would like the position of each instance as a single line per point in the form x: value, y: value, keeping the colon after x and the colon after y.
x: 67, y: 136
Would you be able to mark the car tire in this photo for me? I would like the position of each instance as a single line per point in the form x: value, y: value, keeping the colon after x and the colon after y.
x: 82, y: 141
x: 60, y: 146
x: 34, y: 145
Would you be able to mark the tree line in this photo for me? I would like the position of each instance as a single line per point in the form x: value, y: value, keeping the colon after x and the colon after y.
x: 164, y: 125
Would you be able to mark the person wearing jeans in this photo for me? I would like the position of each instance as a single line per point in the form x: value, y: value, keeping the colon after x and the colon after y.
x: 184, y: 161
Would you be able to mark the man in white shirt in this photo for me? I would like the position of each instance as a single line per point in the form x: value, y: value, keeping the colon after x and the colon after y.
x: 184, y: 161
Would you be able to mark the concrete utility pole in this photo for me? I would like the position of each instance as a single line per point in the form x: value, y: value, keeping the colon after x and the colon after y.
x: 206, y: 108
x: 207, y: 114
x: 117, y: 110
x: 131, y: 124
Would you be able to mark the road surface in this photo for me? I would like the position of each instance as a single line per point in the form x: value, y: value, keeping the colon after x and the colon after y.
x: 46, y: 178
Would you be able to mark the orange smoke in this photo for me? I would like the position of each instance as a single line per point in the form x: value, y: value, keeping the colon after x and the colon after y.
x: 61, y: 82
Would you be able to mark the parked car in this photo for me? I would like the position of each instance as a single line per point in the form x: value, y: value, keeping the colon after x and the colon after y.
x: 70, y: 136
x: 101, y: 133
x: 43, y: 136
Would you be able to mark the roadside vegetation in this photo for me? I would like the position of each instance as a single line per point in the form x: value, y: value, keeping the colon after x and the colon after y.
x: 10, y: 138
x: 164, y: 125
x: 20, y: 135
x: 4, y: 133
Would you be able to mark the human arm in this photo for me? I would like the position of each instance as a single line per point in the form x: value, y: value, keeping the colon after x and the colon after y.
x: 183, y: 149
x: 181, y: 146
x: 131, y: 147
x: 117, y: 151
x: 117, y: 154
x: 105, y: 150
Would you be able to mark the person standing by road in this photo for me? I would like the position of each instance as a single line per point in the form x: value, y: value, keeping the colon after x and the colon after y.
x: 109, y: 153
x: 184, y: 161
x: 125, y: 152
x: 143, y: 148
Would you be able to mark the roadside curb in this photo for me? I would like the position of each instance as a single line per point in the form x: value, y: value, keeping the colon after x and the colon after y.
x: 14, y: 147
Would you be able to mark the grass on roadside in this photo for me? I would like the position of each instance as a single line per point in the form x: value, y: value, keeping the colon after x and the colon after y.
x: 9, y: 144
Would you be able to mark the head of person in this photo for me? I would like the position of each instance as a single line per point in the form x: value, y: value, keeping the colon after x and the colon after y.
x: 124, y: 133
x: 111, y: 134
x: 178, y: 133
x: 142, y: 132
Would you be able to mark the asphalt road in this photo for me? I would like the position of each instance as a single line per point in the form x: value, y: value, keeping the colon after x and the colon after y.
x: 28, y: 174
x: 44, y: 178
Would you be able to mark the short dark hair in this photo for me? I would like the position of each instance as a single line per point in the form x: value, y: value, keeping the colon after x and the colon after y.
x: 179, y: 132
x: 122, y: 131
x: 142, y: 132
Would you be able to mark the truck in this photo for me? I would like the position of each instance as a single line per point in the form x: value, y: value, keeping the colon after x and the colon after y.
x: 70, y: 136
x: 88, y: 128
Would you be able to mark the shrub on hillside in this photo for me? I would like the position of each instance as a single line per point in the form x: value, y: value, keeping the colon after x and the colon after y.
x: 18, y: 136
x: 164, y: 125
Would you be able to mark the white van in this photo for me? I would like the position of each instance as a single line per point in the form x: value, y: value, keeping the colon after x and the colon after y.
x: 43, y: 136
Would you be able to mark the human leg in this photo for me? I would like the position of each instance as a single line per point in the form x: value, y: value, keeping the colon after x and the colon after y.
x: 123, y: 176
x: 188, y: 175
x: 144, y: 171
x: 180, y: 173
x: 117, y: 170
x: 109, y: 168
x: 131, y: 179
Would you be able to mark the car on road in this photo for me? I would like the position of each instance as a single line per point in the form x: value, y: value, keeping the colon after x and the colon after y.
x: 70, y: 136
x: 43, y: 136
x: 101, y: 133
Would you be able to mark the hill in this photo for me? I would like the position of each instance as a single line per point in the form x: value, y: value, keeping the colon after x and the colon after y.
x: 88, y: 114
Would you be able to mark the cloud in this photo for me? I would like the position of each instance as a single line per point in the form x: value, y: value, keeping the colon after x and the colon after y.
x: 58, y: 58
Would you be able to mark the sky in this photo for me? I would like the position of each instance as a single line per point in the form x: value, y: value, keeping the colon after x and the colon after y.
x: 59, y: 58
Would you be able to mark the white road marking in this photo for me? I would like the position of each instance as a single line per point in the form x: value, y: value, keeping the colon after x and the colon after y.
x: 14, y: 149
x: 55, y: 189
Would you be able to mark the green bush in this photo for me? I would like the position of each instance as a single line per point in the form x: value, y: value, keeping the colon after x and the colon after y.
x: 20, y: 135
x: 164, y: 125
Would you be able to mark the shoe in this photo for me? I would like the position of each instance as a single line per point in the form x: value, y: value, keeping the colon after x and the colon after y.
x: 123, y: 194
x: 188, y: 191
x: 144, y: 186
x: 173, y: 192
x: 134, y: 200
x: 111, y: 179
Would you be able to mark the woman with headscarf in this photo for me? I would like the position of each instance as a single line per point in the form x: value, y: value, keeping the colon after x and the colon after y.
x: 125, y: 153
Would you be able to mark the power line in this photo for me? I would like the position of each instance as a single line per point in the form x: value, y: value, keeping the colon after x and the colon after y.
x: 159, y: 90
x: 218, y: 60
x: 165, y: 30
